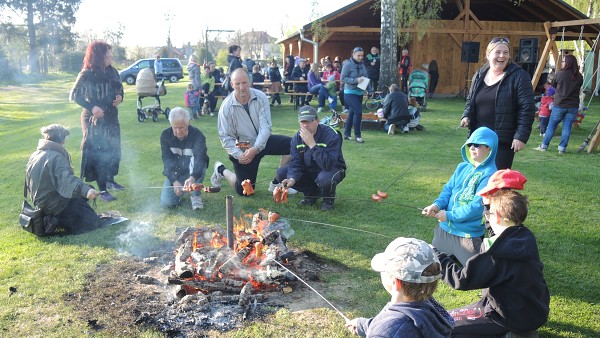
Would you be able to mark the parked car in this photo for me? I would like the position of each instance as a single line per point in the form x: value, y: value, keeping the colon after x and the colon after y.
x: 172, y: 70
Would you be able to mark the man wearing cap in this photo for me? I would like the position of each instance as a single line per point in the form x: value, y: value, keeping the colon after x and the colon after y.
x: 317, y: 165
x: 300, y: 73
x: 409, y: 273
x: 244, y: 126
x: 515, y: 296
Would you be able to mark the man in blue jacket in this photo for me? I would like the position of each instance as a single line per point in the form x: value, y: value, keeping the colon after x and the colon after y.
x: 458, y: 208
x: 317, y: 165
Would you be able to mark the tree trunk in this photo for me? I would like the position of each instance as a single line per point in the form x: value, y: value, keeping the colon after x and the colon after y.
x: 388, y: 72
x: 33, y: 46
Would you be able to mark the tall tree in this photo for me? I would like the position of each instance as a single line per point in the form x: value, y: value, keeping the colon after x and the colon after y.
x: 388, y: 72
x: 48, y: 23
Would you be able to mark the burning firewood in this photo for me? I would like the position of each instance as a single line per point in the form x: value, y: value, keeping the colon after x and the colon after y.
x: 182, y: 267
x: 245, y: 295
x: 225, y: 285
x: 236, y: 260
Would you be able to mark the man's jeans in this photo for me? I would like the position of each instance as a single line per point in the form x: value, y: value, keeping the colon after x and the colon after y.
x: 567, y: 116
x: 168, y: 198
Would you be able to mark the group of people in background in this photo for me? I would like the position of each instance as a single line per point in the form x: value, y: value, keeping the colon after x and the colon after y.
x: 482, y: 193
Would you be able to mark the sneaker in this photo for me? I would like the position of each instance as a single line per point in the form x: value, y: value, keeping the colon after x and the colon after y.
x: 327, y: 204
x: 197, y: 203
x: 360, y: 140
x: 272, y: 187
x: 562, y: 152
x: 405, y: 129
x: 212, y: 114
x: 391, y: 129
x: 540, y: 148
x: 215, y: 179
x: 320, y: 109
x: 306, y: 201
x: 114, y: 186
x: 107, y: 197
x: 349, y: 138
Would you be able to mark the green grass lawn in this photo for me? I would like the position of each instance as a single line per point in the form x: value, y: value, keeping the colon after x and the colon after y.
x: 563, y: 193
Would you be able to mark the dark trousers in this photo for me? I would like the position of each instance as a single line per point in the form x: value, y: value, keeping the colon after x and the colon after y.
x: 276, y: 98
x: 78, y: 217
x: 315, y: 184
x: 504, y: 156
x: 470, y: 322
x: 354, y: 116
x: 544, y: 124
x: 276, y: 145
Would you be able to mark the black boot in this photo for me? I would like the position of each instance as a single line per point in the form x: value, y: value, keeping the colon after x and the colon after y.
x: 327, y: 204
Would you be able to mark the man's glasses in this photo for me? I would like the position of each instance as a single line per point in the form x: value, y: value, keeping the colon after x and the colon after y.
x: 474, y: 145
x: 501, y: 40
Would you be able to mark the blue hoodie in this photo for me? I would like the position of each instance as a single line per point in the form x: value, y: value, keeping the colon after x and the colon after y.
x: 464, y: 208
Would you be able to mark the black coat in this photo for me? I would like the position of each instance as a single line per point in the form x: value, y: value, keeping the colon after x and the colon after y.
x: 395, y: 107
x: 511, y: 273
x: 515, y: 104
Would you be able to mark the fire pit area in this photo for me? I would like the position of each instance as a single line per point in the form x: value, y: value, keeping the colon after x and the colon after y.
x: 210, y: 280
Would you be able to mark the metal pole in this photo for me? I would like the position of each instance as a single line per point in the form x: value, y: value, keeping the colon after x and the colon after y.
x: 229, y: 212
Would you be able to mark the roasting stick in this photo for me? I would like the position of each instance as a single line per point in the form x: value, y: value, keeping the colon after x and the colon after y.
x: 305, y: 283
x: 339, y: 226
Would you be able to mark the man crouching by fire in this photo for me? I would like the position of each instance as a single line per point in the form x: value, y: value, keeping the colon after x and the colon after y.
x: 409, y: 272
x: 185, y: 159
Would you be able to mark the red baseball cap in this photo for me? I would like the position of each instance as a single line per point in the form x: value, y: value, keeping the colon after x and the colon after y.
x: 503, y: 179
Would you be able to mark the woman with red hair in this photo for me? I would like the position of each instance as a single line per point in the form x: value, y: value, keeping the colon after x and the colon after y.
x: 98, y: 89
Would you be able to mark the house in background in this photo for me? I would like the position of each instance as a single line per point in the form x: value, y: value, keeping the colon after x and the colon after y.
x: 458, y: 40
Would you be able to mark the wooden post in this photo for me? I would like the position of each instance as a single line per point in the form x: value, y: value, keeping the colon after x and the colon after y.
x: 229, y: 212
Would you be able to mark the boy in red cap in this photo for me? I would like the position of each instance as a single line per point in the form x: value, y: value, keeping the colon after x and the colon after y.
x: 515, y: 296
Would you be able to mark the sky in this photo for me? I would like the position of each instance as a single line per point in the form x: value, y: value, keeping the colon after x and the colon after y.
x: 146, y: 23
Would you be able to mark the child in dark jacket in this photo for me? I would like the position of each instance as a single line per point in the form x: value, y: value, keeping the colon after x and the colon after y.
x: 275, y: 86
x: 257, y: 77
x: 409, y: 272
x: 515, y: 297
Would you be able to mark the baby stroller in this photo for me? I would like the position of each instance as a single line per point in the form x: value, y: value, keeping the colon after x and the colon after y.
x: 146, y: 86
x: 418, y: 84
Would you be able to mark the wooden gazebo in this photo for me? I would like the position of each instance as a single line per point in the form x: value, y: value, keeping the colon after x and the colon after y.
x: 462, y: 33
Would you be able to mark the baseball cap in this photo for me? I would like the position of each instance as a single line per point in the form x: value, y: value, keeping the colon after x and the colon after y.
x: 406, y: 259
x: 502, y: 179
x: 307, y: 113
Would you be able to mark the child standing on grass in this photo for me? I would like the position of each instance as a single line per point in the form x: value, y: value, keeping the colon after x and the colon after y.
x: 409, y: 273
x: 515, y: 296
x: 546, y: 107
x: 190, y: 100
x: 331, y: 88
x: 458, y: 208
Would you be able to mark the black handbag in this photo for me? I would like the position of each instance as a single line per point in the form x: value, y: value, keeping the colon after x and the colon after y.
x: 32, y: 219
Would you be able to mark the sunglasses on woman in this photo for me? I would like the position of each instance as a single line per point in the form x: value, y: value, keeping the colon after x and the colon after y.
x: 500, y: 40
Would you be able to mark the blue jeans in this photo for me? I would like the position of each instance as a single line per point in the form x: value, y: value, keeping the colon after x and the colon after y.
x: 321, y: 93
x: 168, y: 198
x: 354, y: 116
x: 567, y: 116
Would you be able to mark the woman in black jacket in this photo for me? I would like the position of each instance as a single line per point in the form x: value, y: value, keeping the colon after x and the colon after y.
x: 501, y: 98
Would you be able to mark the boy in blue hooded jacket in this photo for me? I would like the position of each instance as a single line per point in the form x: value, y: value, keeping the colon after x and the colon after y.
x: 458, y: 209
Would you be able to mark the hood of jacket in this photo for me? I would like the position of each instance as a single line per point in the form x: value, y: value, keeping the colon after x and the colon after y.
x: 482, y: 135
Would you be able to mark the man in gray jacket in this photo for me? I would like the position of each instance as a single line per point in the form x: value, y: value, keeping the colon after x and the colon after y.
x: 244, y: 125
x: 53, y: 187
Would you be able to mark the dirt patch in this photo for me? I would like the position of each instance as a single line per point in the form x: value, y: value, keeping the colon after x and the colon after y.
x: 131, y: 295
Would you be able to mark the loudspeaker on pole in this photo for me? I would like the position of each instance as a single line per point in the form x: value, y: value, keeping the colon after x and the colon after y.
x: 470, y: 52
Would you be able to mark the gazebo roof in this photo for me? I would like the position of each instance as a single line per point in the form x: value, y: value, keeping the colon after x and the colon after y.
x: 361, y: 14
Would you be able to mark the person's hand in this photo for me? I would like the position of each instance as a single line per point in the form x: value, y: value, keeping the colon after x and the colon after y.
x: 430, y: 211
x: 98, y: 112
x: 178, y: 188
x: 441, y: 216
x: 187, y: 185
x: 117, y: 101
x: 92, y: 194
x: 351, y: 326
x: 248, y: 155
x: 464, y: 123
x: 307, y: 137
x: 288, y: 182
x: 517, y: 145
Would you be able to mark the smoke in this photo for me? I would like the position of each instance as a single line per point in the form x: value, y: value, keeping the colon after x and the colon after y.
x: 138, y: 239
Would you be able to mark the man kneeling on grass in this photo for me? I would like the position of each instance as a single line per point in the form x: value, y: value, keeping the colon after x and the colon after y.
x: 409, y: 272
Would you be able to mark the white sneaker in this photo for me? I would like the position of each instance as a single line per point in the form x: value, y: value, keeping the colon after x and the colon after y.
x: 391, y: 129
x: 215, y: 179
x: 405, y: 129
x: 272, y: 187
x: 320, y: 109
x: 197, y: 203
